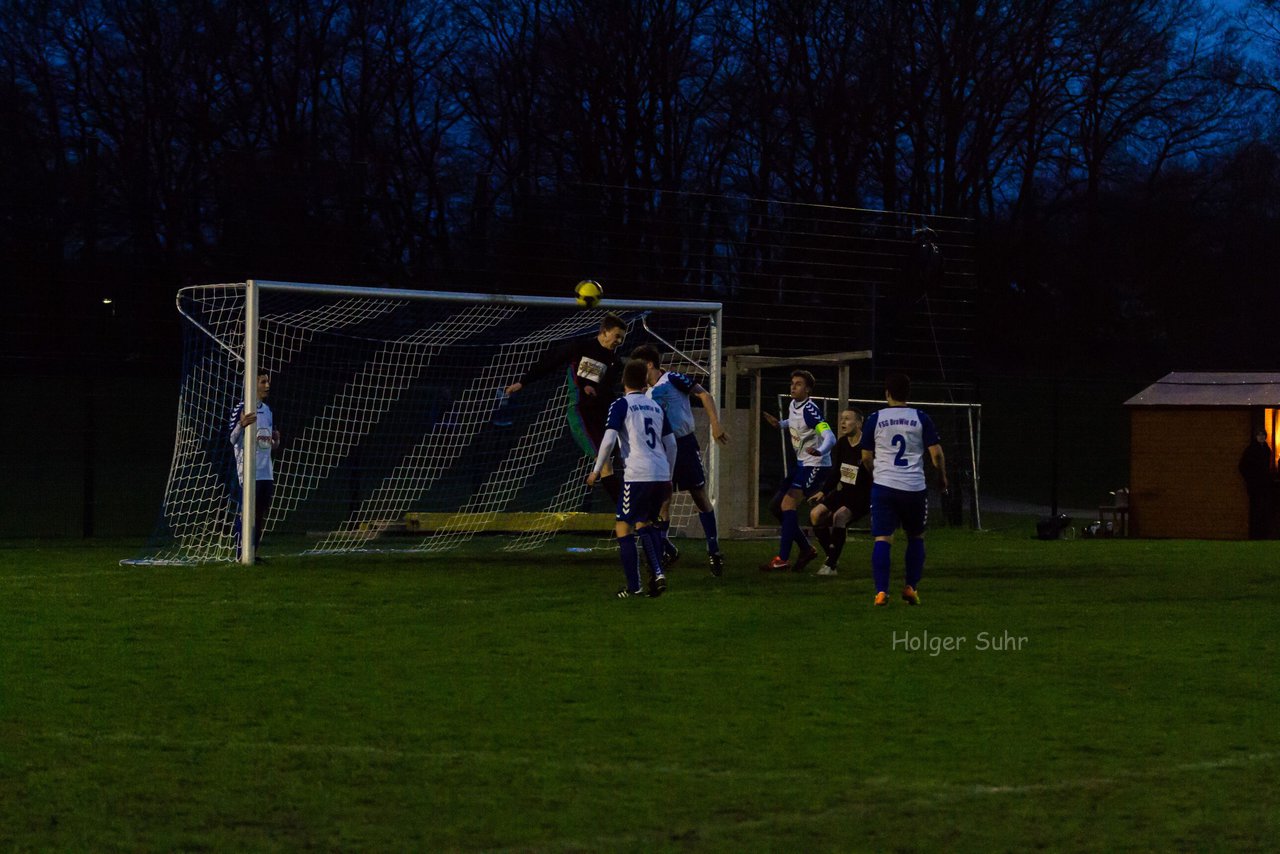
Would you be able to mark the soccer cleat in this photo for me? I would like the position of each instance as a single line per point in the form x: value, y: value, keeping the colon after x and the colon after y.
x: 882, y: 598
x: 624, y: 593
x: 826, y: 569
x: 670, y: 554
x: 805, y: 559
x: 776, y: 565
x: 657, y: 586
x: 910, y: 595
x: 717, y: 564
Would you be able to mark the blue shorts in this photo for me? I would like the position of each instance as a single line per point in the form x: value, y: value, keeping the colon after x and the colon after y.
x: 640, y: 501
x: 894, y: 508
x: 807, y: 479
x: 689, y: 473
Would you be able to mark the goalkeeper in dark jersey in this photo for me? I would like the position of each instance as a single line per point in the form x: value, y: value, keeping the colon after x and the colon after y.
x: 846, y: 496
x: 593, y: 372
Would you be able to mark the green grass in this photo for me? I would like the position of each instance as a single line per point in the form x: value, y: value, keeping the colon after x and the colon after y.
x: 466, y: 702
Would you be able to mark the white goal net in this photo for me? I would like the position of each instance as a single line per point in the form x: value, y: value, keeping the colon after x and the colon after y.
x: 395, y: 432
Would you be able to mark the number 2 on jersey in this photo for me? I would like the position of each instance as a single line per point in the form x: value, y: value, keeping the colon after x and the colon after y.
x: 900, y: 442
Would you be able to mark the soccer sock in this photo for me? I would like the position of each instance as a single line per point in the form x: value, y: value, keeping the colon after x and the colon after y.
x: 630, y: 561
x: 823, y: 533
x: 880, y: 564
x: 651, y: 542
x: 798, y: 535
x: 838, y: 536
x: 775, y: 505
x: 663, y: 529
x: 915, y: 561
x: 708, y: 520
x: 790, y: 527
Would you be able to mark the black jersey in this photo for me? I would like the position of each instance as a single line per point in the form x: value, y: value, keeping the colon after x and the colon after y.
x: 588, y: 364
x: 848, y: 478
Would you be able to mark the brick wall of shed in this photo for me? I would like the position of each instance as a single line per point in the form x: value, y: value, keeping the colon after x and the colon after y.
x: 1183, y: 478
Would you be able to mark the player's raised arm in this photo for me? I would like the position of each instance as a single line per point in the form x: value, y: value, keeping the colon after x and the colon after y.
x: 607, y: 444
x: 826, y: 439
x: 713, y: 414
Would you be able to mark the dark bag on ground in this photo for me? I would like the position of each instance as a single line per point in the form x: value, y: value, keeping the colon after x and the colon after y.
x: 1051, y: 527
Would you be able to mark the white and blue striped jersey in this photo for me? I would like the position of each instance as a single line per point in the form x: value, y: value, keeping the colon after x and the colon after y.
x: 264, y: 427
x: 672, y: 391
x: 898, y: 438
x: 808, y: 429
x: 641, y: 427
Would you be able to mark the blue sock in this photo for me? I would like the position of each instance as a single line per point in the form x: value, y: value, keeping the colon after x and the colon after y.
x: 880, y: 565
x: 651, y: 542
x: 708, y: 520
x: 630, y: 561
x: 663, y: 529
x: 800, y: 539
x: 789, y: 529
x: 915, y: 561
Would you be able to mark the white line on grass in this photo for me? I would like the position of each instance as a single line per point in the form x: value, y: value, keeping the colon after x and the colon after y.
x: 56, y: 576
x: 506, y: 757
x: 945, y: 789
x: 929, y: 792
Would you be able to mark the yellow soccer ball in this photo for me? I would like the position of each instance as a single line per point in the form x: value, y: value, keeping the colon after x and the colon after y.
x: 588, y: 293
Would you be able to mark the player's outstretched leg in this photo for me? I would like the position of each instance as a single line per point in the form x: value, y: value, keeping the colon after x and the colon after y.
x: 630, y: 566
x: 711, y: 531
x: 651, y: 542
x: 880, y: 554
x: 915, y: 569
x: 670, y: 554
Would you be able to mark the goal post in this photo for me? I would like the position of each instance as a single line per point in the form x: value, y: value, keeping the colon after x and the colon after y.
x: 396, y: 433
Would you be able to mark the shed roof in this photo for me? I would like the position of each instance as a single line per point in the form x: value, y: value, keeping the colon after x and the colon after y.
x: 1211, y: 388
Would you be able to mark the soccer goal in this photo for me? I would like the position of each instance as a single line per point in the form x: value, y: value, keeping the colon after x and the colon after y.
x: 959, y: 426
x: 395, y: 431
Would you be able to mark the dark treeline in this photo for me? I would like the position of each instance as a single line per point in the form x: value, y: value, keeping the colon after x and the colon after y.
x: 1118, y: 159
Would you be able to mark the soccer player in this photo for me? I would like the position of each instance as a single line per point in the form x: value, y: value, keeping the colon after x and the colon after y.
x: 894, y: 442
x: 673, y: 391
x: 267, y: 439
x: 846, y: 495
x: 812, y: 439
x: 638, y: 425
x: 592, y: 370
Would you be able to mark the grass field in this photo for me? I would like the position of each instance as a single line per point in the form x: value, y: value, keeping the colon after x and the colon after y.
x: 466, y: 702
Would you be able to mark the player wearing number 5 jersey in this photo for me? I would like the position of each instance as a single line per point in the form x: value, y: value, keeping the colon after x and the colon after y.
x: 673, y: 392
x: 894, y: 443
x: 638, y: 425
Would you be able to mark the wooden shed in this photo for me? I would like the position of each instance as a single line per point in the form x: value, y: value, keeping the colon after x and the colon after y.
x: 1187, y: 432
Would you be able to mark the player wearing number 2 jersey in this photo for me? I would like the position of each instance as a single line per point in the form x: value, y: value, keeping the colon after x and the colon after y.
x: 894, y: 442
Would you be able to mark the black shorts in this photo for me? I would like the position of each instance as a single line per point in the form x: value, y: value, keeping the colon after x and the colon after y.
x: 859, y: 505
